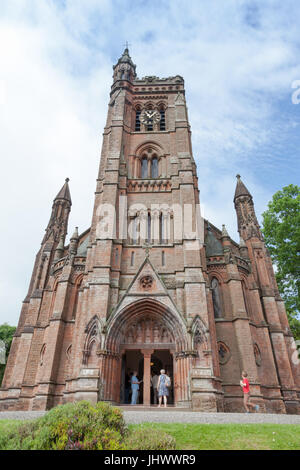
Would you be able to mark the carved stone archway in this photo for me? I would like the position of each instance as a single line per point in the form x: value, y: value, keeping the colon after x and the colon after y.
x: 146, y: 325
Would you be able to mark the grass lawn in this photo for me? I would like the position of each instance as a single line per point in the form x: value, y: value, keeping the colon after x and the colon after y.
x: 230, y: 436
x: 216, y: 436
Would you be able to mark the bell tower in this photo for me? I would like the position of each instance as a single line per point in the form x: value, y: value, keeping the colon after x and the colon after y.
x: 145, y: 239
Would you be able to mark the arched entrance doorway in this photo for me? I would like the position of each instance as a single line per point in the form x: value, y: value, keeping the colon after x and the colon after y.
x: 144, y: 337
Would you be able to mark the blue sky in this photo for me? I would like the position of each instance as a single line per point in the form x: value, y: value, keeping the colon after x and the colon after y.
x: 239, y: 60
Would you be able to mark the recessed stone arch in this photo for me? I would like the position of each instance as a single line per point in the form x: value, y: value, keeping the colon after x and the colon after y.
x: 152, y: 310
x: 149, y: 151
x: 145, y: 146
x: 147, y: 325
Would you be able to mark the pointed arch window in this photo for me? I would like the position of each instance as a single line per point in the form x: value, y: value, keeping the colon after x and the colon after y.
x: 162, y: 122
x: 154, y: 167
x: 216, y: 297
x: 77, y: 291
x: 137, y: 120
x: 144, y: 172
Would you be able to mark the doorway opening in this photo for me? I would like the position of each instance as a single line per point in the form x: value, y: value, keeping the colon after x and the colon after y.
x: 132, y: 360
x: 162, y: 359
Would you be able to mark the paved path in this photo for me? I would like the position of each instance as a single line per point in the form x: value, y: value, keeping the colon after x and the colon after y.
x: 21, y: 414
x: 165, y: 416
x: 138, y: 415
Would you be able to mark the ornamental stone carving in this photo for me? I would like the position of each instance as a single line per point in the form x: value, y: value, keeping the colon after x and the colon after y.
x: 146, y: 282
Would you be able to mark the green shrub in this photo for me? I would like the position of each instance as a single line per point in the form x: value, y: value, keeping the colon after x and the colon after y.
x: 74, y: 426
x: 149, y: 439
x: 82, y: 426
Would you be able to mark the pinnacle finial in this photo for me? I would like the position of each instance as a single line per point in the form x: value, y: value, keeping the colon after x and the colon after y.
x: 224, y: 231
x: 75, y: 235
x: 67, y: 180
x: 242, y: 242
x: 238, y: 176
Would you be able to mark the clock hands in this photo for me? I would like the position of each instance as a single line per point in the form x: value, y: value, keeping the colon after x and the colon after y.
x: 150, y: 115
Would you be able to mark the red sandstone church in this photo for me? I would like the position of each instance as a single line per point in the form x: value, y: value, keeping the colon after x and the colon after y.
x: 137, y: 292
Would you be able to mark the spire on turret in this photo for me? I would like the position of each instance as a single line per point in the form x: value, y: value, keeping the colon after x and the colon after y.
x: 248, y: 226
x: 124, y: 69
x: 240, y: 189
x: 58, y: 222
x: 64, y: 193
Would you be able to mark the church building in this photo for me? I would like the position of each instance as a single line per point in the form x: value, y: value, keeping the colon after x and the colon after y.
x: 151, y: 284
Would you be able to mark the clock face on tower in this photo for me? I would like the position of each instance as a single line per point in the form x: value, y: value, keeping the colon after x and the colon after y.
x: 149, y: 116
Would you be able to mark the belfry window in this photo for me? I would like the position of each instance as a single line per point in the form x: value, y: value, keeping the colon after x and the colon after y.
x: 144, y: 172
x: 162, y: 122
x: 137, y: 121
x: 216, y: 297
x: 154, y: 168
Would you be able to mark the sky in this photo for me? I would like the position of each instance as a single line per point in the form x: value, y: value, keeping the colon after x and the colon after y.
x: 240, y: 62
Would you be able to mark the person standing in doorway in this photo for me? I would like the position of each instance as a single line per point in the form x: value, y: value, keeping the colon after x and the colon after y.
x: 135, y: 386
x: 154, y: 382
x: 163, y: 385
x: 244, y: 383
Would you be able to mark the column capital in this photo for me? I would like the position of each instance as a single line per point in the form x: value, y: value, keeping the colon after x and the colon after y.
x: 147, y: 352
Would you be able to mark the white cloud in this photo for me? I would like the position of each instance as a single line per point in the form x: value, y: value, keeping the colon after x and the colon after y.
x: 56, y: 59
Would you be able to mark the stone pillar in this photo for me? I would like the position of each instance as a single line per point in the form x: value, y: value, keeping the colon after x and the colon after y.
x: 147, y: 375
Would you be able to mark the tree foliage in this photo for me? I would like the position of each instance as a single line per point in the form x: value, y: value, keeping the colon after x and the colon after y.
x: 281, y: 229
x: 6, y: 335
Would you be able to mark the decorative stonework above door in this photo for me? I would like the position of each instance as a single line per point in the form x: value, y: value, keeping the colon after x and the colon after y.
x: 147, y: 330
x: 146, y: 282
